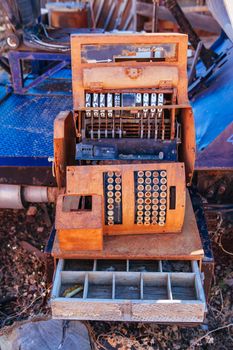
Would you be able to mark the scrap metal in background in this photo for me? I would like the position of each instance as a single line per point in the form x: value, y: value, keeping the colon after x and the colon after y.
x: 24, y: 24
x: 187, y: 21
x: 23, y: 27
x: 197, y: 16
x: 115, y: 14
x: 21, y: 84
x: 211, y: 59
x: 208, y: 56
x: 222, y: 11
x: 28, y: 40
x: 105, y: 14
x: 155, y: 16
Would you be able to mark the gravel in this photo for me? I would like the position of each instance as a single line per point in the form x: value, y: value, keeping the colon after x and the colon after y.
x: 25, y: 289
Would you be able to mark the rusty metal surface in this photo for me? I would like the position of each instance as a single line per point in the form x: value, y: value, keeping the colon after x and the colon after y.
x: 208, y: 271
x: 69, y: 19
x: 202, y: 225
x: 33, y: 175
x: 215, y: 186
x: 208, y: 260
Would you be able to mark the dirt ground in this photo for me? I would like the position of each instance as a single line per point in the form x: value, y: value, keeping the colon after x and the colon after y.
x: 26, y: 282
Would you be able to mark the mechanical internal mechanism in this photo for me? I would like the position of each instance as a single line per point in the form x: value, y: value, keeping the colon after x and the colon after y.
x: 147, y: 123
x: 113, y: 197
x: 134, y: 137
x: 132, y: 133
x: 150, y: 197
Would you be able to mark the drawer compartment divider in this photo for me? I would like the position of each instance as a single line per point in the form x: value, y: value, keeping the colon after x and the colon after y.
x: 129, y: 290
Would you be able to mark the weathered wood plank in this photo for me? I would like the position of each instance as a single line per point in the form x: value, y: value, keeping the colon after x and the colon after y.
x: 183, y: 246
x: 130, y: 296
x: 161, y: 312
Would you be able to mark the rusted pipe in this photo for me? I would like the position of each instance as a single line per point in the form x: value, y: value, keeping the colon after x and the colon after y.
x: 17, y: 196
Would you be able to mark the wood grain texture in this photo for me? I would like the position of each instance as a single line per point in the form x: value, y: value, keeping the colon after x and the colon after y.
x: 79, y: 219
x: 170, y: 246
x: 64, y: 145
x: 148, y: 77
x: 130, y: 296
x: 150, y: 311
x: 108, y: 292
x: 188, y: 146
x: 88, y: 180
x: 80, y: 229
x: 80, y: 239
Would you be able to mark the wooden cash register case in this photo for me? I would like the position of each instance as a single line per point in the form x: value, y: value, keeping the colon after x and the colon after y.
x: 124, y: 157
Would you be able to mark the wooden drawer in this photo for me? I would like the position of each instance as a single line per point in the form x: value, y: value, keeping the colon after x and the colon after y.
x: 129, y: 290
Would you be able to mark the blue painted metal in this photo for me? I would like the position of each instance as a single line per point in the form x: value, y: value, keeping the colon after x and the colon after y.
x: 61, y: 87
x: 219, y: 153
x: 22, y: 85
x: 3, y: 92
x: 209, y: 105
x: 63, y: 74
x: 26, y: 133
x: 5, y: 88
x: 213, y: 112
x: 25, y: 161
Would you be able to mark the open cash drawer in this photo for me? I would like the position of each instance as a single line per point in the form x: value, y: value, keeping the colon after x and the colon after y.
x: 129, y: 290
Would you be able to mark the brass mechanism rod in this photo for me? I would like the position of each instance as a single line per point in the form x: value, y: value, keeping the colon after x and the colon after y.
x: 134, y: 109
